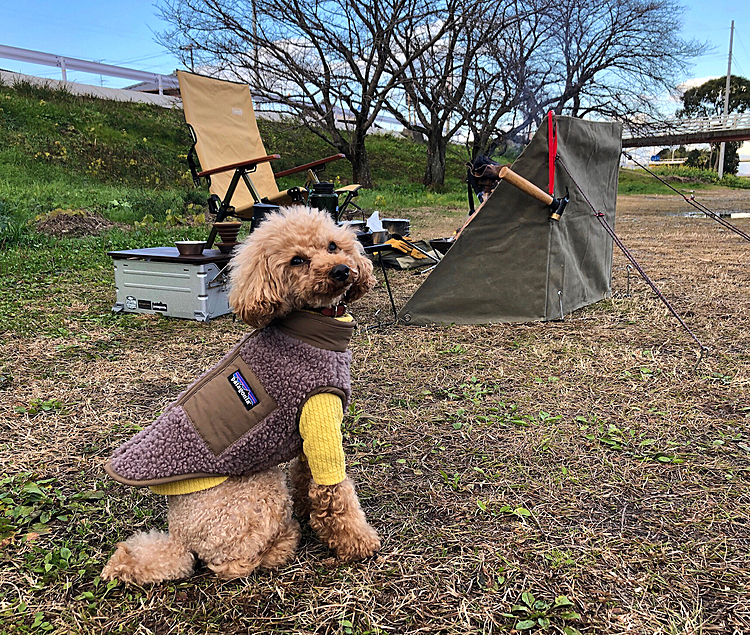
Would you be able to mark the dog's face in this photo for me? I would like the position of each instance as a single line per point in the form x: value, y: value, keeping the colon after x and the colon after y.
x: 296, y: 259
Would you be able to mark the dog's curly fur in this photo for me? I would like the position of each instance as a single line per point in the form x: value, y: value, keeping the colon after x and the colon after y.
x: 264, y: 284
x: 246, y: 522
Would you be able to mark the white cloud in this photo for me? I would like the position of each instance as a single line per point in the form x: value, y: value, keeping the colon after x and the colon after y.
x: 692, y: 83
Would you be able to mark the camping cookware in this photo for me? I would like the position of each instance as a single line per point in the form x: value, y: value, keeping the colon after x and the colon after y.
x: 190, y: 247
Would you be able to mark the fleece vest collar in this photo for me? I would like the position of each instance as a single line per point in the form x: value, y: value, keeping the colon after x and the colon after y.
x: 317, y: 330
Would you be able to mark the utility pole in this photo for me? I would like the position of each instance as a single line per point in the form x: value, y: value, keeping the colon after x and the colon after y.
x: 256, y: 62
x: 726, y: 101
x: 191, y: 46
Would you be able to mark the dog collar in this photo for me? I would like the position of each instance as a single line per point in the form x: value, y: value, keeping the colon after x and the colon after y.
x: 334, y: 311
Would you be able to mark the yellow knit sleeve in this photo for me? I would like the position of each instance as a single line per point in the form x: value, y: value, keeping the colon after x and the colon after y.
x: 320, y: 428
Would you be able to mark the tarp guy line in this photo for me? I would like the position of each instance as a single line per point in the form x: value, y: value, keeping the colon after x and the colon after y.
x: 603, y: 222
x: 691, y: 201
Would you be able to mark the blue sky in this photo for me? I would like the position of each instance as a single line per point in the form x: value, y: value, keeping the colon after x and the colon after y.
x: 710, y: 21
x: 122, y: 33
x: 119, y: 33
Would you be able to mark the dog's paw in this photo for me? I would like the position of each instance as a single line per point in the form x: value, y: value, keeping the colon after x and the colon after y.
x: 357, y: 545
x: 125, y: 566
x: 149, y: 558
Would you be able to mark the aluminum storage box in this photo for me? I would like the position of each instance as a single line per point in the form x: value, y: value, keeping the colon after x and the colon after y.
x: 160, y: 280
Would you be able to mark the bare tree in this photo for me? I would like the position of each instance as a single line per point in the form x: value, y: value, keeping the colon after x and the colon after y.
x: 329, y: 62
x: 506, y: 92
x: 581, y: 58
x: 616, y: 57
x: 439, y: 87
x: 434, y: 83
x: 577, y: 57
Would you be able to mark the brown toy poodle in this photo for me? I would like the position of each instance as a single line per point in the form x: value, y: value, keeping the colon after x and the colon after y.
x: 279, y: 394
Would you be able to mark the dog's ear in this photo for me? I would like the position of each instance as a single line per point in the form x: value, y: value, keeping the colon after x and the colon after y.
x: 256, y: 293
x: 364, y: 280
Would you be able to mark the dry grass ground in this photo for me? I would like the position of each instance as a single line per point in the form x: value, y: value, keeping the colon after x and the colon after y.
x: 504, y: 466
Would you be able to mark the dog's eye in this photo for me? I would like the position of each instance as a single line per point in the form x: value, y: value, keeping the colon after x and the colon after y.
x: 332, y: 246
x: 297, y: 261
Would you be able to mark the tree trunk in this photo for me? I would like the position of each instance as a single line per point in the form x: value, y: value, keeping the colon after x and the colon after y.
x: 435, y: 171
x: 479, y: 144
x: 360, y: 161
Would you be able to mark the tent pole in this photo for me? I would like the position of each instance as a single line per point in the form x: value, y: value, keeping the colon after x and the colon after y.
x: 388, y: 286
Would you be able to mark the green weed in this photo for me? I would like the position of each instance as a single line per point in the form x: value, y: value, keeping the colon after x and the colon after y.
x: 640, y: 182
x: 28, y: 505
x: 39, y: 405
x: 532, y: 613
x: 503, y: 510
x: 699, y: 176
x: 631, y: 443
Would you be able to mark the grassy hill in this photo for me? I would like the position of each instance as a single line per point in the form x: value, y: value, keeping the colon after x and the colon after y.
x: 126, y: 160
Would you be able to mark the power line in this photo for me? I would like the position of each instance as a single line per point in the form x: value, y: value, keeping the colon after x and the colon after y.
x: 738, y: 67
x: 137, y: 59
x: 742, y: 46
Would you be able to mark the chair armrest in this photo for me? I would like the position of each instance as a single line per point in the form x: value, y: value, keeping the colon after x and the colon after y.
x: 242, y: 164
x: 353, y: 187
x: 309, y: 166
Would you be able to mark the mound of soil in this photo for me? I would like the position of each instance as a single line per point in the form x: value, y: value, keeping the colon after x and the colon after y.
x: 76, y: 224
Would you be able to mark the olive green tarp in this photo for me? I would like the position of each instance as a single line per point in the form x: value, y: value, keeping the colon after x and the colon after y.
x: 512, y: 263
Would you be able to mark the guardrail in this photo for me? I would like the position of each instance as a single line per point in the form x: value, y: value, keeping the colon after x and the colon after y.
x: 71, y: 63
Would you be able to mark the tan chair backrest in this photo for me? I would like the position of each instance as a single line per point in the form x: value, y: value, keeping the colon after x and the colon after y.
x: 222, y: 116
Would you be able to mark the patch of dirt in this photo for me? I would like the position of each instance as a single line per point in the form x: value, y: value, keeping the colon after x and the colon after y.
x: 73, y: 223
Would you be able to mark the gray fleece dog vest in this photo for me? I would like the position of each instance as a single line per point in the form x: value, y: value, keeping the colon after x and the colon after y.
x: 242, y: 415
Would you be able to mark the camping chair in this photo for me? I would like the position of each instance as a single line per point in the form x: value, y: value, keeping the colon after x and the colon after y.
x: 226, y: 141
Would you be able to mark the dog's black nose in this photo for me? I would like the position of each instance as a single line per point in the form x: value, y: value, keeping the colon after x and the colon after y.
x: 340, y: 273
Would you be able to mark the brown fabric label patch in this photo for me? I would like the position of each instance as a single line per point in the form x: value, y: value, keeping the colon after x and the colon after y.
x: 227, y: 404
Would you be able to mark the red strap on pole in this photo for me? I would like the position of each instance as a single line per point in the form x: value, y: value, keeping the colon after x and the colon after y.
x: 552, y: 143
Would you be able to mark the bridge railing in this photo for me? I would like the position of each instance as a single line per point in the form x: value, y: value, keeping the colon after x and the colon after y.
x: 73, y: 64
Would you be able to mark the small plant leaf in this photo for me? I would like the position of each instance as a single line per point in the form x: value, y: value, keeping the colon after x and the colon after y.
x: 32, y: 488
x: 562, y: 600
x: 525, y: 625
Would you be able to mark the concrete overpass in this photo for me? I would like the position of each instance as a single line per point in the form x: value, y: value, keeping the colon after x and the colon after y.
x: 675, y: 132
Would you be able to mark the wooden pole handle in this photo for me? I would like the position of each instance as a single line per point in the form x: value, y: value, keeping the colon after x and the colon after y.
x: 516, y: 180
